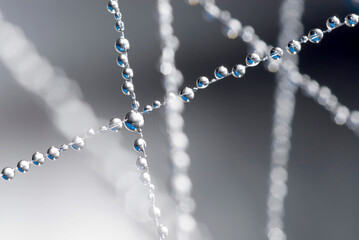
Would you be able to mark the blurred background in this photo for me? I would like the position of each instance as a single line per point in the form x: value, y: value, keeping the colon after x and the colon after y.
x: 94, y: 193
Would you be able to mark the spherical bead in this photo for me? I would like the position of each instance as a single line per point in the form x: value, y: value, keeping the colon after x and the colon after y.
x: 115, y: 124
x: 119, y: 26
x: 8, y: 173
x: 238, y: 71
x: 112, y: 6
x: 187, y: 94
x: 78, y: 143
x: 127, y: 73
x: 103, y: 129
x: 53, y: 153
x: 162, y: 231
x: 38, y: 158
x: 64, y: 147
x: 315, y: 35
x: 118, y: 15
x: 128, y: 88
x: 304, y: 39
x: 134, y: 121
x: 252, y: 59
x: 154, y: 212
x: 145, y: 178
x: 351, y: 20
x: 135, y: 105
x: 139, y: 145
x: 202, y: 82
x: 141, y: 163
x: 122, y: 60
x: 147, y: 108
x: 333, y: 22
x: 90, y: 132
x: 170, y: 97
x: 122, y: 45
x: 293, y: 47
x: 23, y: 166
x: 156, y: 104
x: 220, y: 72
x: 276, y: 53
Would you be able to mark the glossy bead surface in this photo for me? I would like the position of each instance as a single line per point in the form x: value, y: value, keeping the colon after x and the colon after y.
x: 315, y: 35
x: 122, y: 45
x: 103, y: 129
x: 135, y: 105
x: 293, y: 47
x: 119, y: 26
x: 8, y: 173
x: 78, y: 143
x: 304, y: 39
x: 139, y: 145
x: 162, y: 231
x: 156, y: 104
x: 187, y: 94
x: 276, y: 53
x: 115, y: 124
x: 38, y: 158
x: 147, y: 108
x: 221, y: 72
x: 122, y: 60
x: 238, y: 71
x: 90, y: 132
x: 23, y: 166
x: 333, y: 22
x: 127, y: 73
x: 145, y: 178
x: 127, y: 88
x: 252, y: 59
x: 134, y: 121
x: 112, y: 6
x: 53, y: 153
x: 154, y: 212
x: 141, y: 163
x: 118, y: 15
x: 202, y: 82
x: 351, y: 20
x: 64, y: 147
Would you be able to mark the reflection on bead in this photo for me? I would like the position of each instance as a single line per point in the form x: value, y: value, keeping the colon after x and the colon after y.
x: 154, y: 212
x: 122, y: 60
x: 147, y: 108
x: 8, y: 173
x: 141, y: 163
x: 145, y: 178
x: 139, y: 145
x: 151, y: 197
x: 127, y: 88
x: 23, y: 166
x: 162, y: 231
x: 315, y: 35
x: 115, y: 124
x: 103, y: 129
x: 135, y: 105
x: 118, y: 15
x: 333, y: 22
x: 276, y: 53
x: 112, y: 6
x: 122, y: 45
x: 156, y: 104
x: 170, y: 97
x: 53, y: 153
x: 220, y: 72
x: 304, y: 39
x: 202, y: 82
x: 127, y: 73
x: 78, y: 143
x: 351, y: 20
x: 238, y: 71
x: 38, y: 158
x: 134, y: 121
x: 64, y: 147
x: 252, y: 59
x: 151, y: 187
x: 187, y: 94
x: 90, y: 132
x: 119, y: 26
x: 293, y: 47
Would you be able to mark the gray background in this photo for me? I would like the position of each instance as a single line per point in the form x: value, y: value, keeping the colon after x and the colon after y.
x: 228, y: 125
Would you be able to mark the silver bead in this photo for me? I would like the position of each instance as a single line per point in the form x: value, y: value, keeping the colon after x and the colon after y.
x: 333, y: 22
x: 162, y: 231
x: 135, y: 105
x: 122, y: 60
x: 276, y: 53
x: 202, y: 82
x: 156, y: 104
x: 38, y: 158
x: 53, y: 153
x: 112, y: 6
x: 139, y: 145
x: 8, y: 173
x: 170, y: 97
x: 252, y: 59
x: 115, y: 124
x: 119, y: 26
x: 145, y: 178
x: 187, y: 94
x: 127, y: 88
x: 351, y: 20
x: 64, y: 147
x: 127, y: 73
x: 134, y: 121
x: 141, y: 163
x: 154, y: 212
x: 23, y: 166
x: 78, y: 143
x: 220, y: 72
x: 147, y: 108
x: 90, y: 132
x: 151, y: 187
x: 315, y: 35
x: 293, y: 47
x: 103, y: 129
x: 122, y: 45
x: 238, y: 71
x: 304, y: 39
x: 118, y: 15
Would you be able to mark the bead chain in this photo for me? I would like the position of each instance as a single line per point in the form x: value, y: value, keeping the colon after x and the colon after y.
x: 181, y: 184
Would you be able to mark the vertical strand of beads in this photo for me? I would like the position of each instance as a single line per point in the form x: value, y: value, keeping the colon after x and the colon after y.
x: 172, y: 79
x: 284, y: 108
